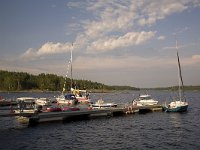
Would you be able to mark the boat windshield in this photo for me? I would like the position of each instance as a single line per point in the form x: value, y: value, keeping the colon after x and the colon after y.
x: 145, y: 97
x: 70, y: 96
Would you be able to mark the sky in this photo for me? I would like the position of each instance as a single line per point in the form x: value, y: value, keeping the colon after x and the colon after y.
x: 115, y: 42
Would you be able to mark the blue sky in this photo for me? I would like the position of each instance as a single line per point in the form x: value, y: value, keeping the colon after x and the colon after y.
x: 116, y: 42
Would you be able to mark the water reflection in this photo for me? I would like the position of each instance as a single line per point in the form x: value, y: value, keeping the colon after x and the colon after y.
x: 175, y: 119
x: 177, y: 134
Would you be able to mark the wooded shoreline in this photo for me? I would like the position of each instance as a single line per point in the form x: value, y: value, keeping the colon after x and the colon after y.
x: 25, y: 82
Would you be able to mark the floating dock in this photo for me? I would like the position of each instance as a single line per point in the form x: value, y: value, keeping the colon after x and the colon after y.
x: 35, y: 118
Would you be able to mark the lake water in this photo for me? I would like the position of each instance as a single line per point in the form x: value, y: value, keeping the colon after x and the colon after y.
x: 157, y: 130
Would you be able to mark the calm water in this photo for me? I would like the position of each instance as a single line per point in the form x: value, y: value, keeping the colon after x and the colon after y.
x: 158, y: 130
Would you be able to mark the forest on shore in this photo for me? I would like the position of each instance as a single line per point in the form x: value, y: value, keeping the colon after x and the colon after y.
x: 22, y: 81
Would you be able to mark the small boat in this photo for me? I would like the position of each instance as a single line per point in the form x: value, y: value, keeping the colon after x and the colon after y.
x: 81, y: 95
x: 101, y: 104
x: 68, y: 99
x: 26, y: 104
x: 42, y: 101
x: 179, y: 104
x: 176, y: 106
x: 145, y: 100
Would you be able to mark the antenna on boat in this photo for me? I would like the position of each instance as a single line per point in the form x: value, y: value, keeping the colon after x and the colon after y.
x: 71, y: 66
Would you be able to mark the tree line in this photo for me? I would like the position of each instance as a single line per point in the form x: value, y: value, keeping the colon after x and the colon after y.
x: 175, y: 88
x: 19, y: 81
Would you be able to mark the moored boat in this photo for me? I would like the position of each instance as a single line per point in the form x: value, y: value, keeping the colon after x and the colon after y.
x: 144, y: 100
x: 68, y: 99
x: 81, y: 95
x: 26, y: 104
x: 42, y: 101
x: 179, y: 104
x: 176, y: 106
x: 101, y: 104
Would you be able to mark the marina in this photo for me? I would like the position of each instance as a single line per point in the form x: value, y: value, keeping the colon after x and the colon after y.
x: 100, y: 75
x: 34, y: 117
x: 84, y: 127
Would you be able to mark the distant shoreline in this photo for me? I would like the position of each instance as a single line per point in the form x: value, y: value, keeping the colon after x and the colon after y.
x: 186, y: 88
x: 46, y: 91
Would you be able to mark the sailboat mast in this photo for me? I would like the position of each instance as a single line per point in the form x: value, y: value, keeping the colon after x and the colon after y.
x: 179, y: 74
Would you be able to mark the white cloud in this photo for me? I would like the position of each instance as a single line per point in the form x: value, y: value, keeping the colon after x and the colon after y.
x: 196, y: 57
x: 113, y: 16
x: 53, y: 48
x: 130, y: 62
x: 83, y: 64
x: 161, y: 38
x: 112, y: 19
x: 190, y: 61
x: 75, y: 4
x: 157, y: 10
x: 131, y: 38
x: 47, y: 49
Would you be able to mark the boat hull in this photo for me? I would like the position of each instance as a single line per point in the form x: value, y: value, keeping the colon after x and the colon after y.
x: 176, y: 109
x: 146, y: 103
x: 106, y: 105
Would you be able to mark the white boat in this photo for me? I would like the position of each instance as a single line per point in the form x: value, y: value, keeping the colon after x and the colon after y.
x: 101, y: 104
x: 81, y: 95
x: 145, y: 100
x: 42, y: 101
x: 179, y: 104
x: 26, y: 104
x: 68, y: 99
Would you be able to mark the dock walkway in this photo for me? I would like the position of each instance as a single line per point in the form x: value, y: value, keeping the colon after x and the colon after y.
x: 35, y: 117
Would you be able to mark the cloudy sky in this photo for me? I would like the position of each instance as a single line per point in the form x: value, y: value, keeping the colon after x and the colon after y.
x: 115, y: 42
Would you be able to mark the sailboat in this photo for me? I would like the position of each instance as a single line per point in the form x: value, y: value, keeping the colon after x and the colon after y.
x: 180, y: 104
x: 76, y: 95
x: 68, y: 99
x: 81, y: 95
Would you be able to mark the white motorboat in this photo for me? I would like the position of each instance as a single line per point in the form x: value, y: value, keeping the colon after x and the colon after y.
x: 145, y: 100
x: 42, y: 101
x: 26, y: 104
x: 101, y: 104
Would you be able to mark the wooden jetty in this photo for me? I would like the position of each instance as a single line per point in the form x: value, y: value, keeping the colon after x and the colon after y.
x: 35, y: 117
